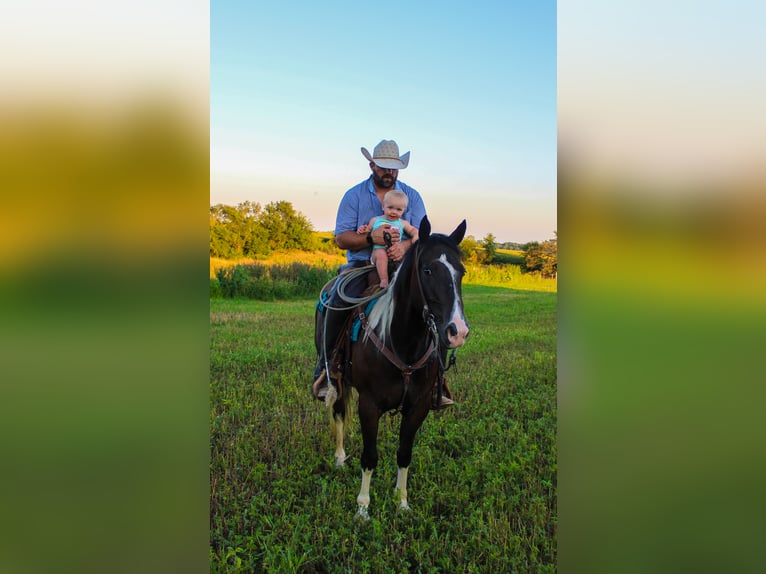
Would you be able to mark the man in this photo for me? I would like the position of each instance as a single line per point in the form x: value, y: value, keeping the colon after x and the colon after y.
x: 365, y: 201
x: 360, y: 204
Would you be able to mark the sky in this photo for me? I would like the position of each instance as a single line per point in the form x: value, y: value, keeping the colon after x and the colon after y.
x: 469, y: 89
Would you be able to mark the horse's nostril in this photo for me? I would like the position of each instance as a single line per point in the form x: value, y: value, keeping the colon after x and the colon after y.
x: 452, y: 329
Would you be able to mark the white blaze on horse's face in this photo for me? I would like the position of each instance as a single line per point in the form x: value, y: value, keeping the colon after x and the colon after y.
x: 457, y: 328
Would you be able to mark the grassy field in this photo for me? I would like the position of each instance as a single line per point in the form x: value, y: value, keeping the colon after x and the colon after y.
x: 509, y: 257
x: 483, y: 478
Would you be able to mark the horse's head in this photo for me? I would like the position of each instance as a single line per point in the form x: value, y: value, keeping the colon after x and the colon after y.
x: 440, y: 274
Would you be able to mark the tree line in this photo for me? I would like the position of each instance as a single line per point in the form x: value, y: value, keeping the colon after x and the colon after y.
x: 251, y: 231
x: 536, y: 257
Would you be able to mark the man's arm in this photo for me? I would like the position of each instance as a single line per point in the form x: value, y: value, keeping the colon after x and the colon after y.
x: 353, y: 241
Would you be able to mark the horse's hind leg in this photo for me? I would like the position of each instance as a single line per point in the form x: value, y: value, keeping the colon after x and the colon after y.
x: 339, y: 415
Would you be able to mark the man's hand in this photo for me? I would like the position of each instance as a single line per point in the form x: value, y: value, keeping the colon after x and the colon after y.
x: 378, y: 237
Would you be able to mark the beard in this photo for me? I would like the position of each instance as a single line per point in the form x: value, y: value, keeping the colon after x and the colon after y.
x: 386, y: 181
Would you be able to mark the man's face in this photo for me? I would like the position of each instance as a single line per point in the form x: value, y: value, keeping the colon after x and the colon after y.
x: 383, y: 177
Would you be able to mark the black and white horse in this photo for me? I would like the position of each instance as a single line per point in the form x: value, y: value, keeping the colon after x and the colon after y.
x: 400, y: 353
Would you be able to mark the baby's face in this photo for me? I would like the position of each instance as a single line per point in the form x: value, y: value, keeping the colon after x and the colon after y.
x: 394, y: 209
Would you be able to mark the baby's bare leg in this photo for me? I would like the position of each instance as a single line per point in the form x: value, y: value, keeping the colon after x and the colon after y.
x: 380, y: 258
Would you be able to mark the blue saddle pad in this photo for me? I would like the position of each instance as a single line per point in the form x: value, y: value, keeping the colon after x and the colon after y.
x: 357, y: 324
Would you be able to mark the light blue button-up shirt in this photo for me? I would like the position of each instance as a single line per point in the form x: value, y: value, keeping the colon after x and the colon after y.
x: 361, y: 203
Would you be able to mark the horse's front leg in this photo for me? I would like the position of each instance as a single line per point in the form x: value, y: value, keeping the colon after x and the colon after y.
x: 369, y: 417
x: 401, y: 487
x: 409, y: 426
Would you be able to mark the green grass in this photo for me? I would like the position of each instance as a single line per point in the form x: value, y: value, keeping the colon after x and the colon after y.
x: 483, y: 477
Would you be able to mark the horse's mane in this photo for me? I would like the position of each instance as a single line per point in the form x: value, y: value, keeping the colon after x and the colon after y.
x: 381, y: 314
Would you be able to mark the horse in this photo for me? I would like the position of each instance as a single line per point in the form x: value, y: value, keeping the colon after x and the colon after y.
x: 401, y: 351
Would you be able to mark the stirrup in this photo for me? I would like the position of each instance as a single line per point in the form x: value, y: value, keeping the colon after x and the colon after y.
x: 443, y: 404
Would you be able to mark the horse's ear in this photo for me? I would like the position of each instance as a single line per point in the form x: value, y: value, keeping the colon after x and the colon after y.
x: 424, y: 230
x: 458, y: 234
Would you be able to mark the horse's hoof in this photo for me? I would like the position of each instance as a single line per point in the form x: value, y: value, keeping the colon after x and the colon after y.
x: 341, y: 462
x: 362, y: 514
x: 404, y: 507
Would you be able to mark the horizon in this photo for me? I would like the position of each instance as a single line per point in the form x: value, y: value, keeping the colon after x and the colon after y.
x: 468, y: 231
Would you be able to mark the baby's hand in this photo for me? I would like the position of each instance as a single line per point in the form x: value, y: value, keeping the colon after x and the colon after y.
x: 363, y: 229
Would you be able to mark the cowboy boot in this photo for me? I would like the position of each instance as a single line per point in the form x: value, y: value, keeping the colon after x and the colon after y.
x: 319, y: 387
x: 446, y: 398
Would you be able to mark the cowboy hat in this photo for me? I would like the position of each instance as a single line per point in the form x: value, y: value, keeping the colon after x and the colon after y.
x: 386, y: 155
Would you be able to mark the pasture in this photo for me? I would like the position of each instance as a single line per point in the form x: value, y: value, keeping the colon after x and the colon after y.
x: 482, y: 484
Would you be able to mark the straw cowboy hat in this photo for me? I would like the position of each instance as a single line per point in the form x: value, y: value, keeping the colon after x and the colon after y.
x: 386, y: 155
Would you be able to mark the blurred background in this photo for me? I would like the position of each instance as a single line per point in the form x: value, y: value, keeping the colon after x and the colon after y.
x: 103, y: 276
x: 103, y: 284
x: 662, y: 286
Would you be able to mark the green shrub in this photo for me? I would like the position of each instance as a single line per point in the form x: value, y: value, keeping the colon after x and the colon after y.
x: 269, y: 283
x: 215, y: 289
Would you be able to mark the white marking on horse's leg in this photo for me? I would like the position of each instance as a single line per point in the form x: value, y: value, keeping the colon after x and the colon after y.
x: 401, y: 487
x: 363, y: 500
x: 340, y: 453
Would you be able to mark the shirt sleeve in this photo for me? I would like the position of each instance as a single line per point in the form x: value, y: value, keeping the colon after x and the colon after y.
x: 416, y: 209
x: 347, y: 218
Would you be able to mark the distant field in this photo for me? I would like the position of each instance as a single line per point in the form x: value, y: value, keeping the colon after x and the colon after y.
x: 509, y: 257
x: 312, y: 258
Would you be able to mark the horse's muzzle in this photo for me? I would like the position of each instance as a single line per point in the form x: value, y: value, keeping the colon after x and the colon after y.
x: 457, y: 333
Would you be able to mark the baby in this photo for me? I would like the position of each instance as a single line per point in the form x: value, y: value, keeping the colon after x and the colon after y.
x: 394, y: 205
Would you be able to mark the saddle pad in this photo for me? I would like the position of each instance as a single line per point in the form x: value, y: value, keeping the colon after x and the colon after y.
x: 357, y: 324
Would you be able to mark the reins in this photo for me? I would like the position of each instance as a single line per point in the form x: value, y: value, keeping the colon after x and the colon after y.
x: 405, y: 369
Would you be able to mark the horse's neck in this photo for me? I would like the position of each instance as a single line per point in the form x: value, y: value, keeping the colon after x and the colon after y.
x: 409, y: 332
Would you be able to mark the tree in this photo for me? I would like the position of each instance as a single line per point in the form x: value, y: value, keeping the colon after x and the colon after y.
x: 286, y: 228
x: 542, y: 257
x: 469, y: 248
x: 490, y: 248
x: 225, y: 232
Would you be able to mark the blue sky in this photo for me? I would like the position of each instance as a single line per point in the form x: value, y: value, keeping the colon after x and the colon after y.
x: 468, y: 88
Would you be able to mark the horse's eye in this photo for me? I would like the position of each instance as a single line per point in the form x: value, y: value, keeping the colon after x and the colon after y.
x: 426, y: 270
